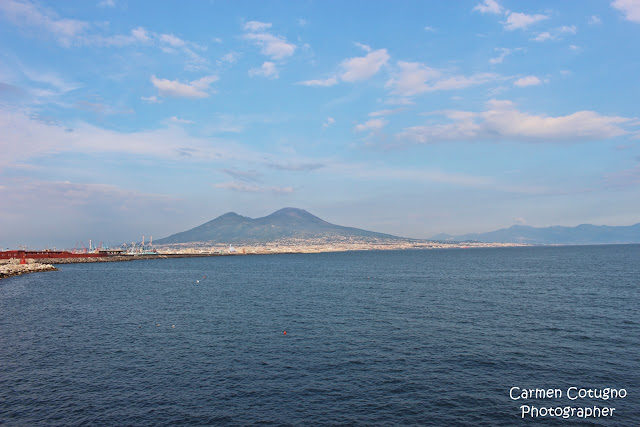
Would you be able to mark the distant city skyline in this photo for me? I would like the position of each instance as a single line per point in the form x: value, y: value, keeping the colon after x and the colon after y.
x: 127, y: 118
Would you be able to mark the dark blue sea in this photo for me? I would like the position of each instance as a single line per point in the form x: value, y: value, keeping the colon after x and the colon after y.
x: 424, y: 337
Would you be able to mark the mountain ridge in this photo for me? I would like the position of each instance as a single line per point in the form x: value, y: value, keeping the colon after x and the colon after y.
x: 583, y: 234
x: 284, y: 223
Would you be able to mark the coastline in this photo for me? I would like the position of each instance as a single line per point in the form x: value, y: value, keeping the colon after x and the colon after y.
x: 11, y: 267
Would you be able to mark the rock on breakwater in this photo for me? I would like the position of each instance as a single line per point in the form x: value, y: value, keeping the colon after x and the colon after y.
x: 11, y: 268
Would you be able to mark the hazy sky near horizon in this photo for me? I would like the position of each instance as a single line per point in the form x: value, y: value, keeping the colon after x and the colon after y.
x: 123, y: 118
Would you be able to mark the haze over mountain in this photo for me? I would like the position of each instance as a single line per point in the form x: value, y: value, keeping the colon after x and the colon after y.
x: 584, y: 234
x: 284, y: 223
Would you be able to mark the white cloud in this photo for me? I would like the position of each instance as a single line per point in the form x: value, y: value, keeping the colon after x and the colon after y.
x: 243, y: 175
x: 630, y: 8
x: 140, y: 34
x: 172, y: 40
x: 175, y: 119
x: 527, y: 81
x: 151, y: 99
x: 50, y: 79
x: 544, y: 36
x: 502, y: 121
x: 371, y: 125
x: 489, y: 6
x: 324, y: 83
x: 521, y: 21
x: 556, y: 33
x: 256, y: 26
x: 268, y: 69
x: 430, y: 29
x: 415, y: 78
x: 276, y: 47
x: 363, y: 67
x: 328, y: 122
x: 295, y: 165
x: 387, y: 112
x: 195, y: 89
x: 28, y: 15
x: 568, y: 29
x: 107, y: 3
x: 399, y: 101
x: 503, y: 54
x: 355, y: 69
x: 252, y: 188
x: 230, y: 58
x: 364, y: 47
x: 595, y: 20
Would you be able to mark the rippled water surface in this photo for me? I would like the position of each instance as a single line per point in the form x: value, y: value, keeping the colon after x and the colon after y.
x: 430, y: 337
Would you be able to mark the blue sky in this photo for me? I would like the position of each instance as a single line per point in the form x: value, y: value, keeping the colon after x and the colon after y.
x: 123, y: 118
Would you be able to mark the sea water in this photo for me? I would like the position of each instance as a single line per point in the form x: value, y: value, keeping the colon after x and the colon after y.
x: 424, y: 337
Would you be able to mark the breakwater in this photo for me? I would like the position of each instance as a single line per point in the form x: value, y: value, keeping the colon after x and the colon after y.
x: 14, y: 268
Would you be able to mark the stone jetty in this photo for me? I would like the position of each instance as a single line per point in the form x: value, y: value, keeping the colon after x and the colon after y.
x: 13, y: 267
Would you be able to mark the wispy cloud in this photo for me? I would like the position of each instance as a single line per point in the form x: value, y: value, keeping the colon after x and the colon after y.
x: 175, y: 119
x: 26, y: 137
x: 268, y: 70
x: 171, y: 40
x: 252, y: 188
x: 371, y: 125
x: 502, y: 121
x: 256, y: 26
x: 414, y: 78
x: 30, y: 16
x: 230, y: 58
x: 151, y: 99
x: 243, y: 175
x: 195, y: 89
x: 295, y: 166
x: 50, y: 79
x: 366, y: 171
x: 556, y: 33
x: 503, y: 52
x: 107, y: 3
x: 327, y: 123
x: 364, y: 47
x: 544, y: 36
x: 331, y: 81
x: 387, y: 112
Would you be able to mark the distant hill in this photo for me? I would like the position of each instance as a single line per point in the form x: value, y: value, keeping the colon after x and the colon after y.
x: 585, y: 234
x: 285, y: 223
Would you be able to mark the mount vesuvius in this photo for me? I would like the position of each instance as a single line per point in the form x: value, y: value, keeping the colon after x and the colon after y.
x: 285, y: 223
